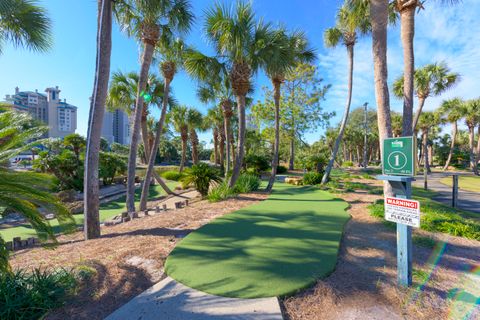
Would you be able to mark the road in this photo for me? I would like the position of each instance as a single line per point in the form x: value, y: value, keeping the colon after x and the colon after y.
x: 467, y: 200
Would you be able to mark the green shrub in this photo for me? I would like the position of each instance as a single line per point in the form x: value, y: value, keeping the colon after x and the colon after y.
x: 347, y: 164
x: 312, y: 178
x: 247, y: 183
x: 111, y: 165
x: 200, y: 176
x: 172, y: 175
x: 257, y: 162
x: 31, y: 295
x: 220, y: 192
x: 282, y: 169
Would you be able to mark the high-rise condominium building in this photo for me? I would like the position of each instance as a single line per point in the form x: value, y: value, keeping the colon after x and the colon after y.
x: 60, y: 116
x: 116, y: 127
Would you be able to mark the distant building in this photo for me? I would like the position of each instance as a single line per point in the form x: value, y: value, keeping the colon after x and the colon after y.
x: 116, y: 127
x: 59, y: 116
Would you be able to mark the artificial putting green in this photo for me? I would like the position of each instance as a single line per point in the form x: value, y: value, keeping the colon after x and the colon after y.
x: 272, y: 248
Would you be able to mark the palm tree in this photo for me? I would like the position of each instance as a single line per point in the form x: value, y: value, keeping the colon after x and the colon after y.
x: 452, y: 112
x: 426, y: 122
x: 243, y: 43
x: 25, y: 192
x: 95, y: 122
x: 24, y: 24
x: 471, y: 112
x: 147, y: 21
x: 214, y: 120
x: 122, y: 95
x: 288, y: 50
x: 429, y: 81
x: 178, y: 117
x: 194, y: 122
x: 407, y: 8
x: 351, y: 21
x: 172, y: 56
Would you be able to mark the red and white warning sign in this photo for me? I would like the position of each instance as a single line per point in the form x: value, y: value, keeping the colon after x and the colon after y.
x: 403, y: 211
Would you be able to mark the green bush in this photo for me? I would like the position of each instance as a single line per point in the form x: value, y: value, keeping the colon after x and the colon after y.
x: 111, y: 165
x: 172, y: 175
x: 220, y: 192
x: 31, y: 295
x: 257, y: 162
x: 282, y: 169
x: 200, y: 176
x: 347, y: 164
x: 312, y: 178
x: 247, y: 183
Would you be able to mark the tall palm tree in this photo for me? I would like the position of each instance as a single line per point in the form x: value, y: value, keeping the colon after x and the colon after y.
x: 24, y: 24
x: 178, y: 117
x: 214, y: 120
x: 25, y: 192
x: 429, y: 81
x: 351, y: 22
x: 194, y: 123
x: 452, y: 113
x: 471, y: 113
x: 95, y: 122
x: 242, y: 42
x: 288, y: 50
x: 172, y: 57
x: 147, y: 21
x: 407, y: 8
x: 122, y: 95
x: 427, y: 121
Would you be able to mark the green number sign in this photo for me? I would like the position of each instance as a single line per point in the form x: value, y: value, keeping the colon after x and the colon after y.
x: 399, y: 156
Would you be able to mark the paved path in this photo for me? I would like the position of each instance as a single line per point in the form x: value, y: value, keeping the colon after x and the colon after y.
x: 171, y: 300
x: 467, y: 200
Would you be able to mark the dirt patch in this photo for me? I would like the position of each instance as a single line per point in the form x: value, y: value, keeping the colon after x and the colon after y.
x: 127, y: 259
x: 363, y: 285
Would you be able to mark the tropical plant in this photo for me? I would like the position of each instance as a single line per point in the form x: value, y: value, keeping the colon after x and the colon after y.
x: 242, y: 43
x: 173, y: 175
x: 221, y: 192
x: 258, y: 163
x: 200, y: 176
x: 24, y: 24
x: 429, y: 81
x: 97, y: 111
x: 147, y: 21
x: 287, y: 51
x: 194, y: 123
x: 351, y: 22
x: 172, y: 55
x: 111, y: 165
x: 471, y: 112
x: 312, y: 178
x: 452, y: 113
x: 178, y: 117
x: 25, y: 192
x: 247, y: 183
x: 214, y: 121
x: 427, y: 121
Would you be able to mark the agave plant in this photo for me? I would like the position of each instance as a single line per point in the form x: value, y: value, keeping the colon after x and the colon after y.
x: 25, y: 192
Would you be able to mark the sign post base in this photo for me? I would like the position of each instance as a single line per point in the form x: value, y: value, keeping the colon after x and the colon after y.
x: 402, y: 188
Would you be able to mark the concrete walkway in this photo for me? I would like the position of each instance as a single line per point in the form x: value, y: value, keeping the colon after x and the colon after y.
x: 171, y: 300
x: 467, y: 200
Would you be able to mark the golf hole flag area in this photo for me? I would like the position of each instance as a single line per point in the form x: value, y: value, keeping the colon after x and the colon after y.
x: 273, y: 248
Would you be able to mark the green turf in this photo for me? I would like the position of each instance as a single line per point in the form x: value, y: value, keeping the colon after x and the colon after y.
x: 107, y: 211
x: 469, y: 183
x: 273, y: 248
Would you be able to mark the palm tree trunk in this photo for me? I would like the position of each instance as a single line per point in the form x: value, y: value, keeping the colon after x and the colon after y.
x: 407, y: 31
x: 471, y: 142
x: 241, y: 141
x: 326, y: 176
x: 421, y: 103
x: 153, y: 151
x: 144, y: 129
x: 132, y: 157
x: 215, y: 146
x: 478, y: 146
x: 426, y: 166
x: 184, y: 152
x: 97, y: 111
x: 227, y: 148
x: 221, y: 147
x: 379, y: 20
x: 276, y: 144
x: 194, y: 143
x: 452, y: 145
x: 232, y: 144
x: 291, y: 162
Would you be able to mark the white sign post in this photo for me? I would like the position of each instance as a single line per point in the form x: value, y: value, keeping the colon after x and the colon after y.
x: 404, y: 211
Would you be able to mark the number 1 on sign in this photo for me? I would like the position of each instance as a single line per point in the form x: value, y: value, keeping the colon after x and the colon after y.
x: 397, y: 160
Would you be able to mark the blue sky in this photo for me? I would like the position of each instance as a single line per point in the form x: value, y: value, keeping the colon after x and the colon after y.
x: 450, y: 34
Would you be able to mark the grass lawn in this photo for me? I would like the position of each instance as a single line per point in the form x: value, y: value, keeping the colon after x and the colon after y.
x: 273, y: 248
x: 469, y: 183
x: 436, y: 217
x: 107, y: 211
